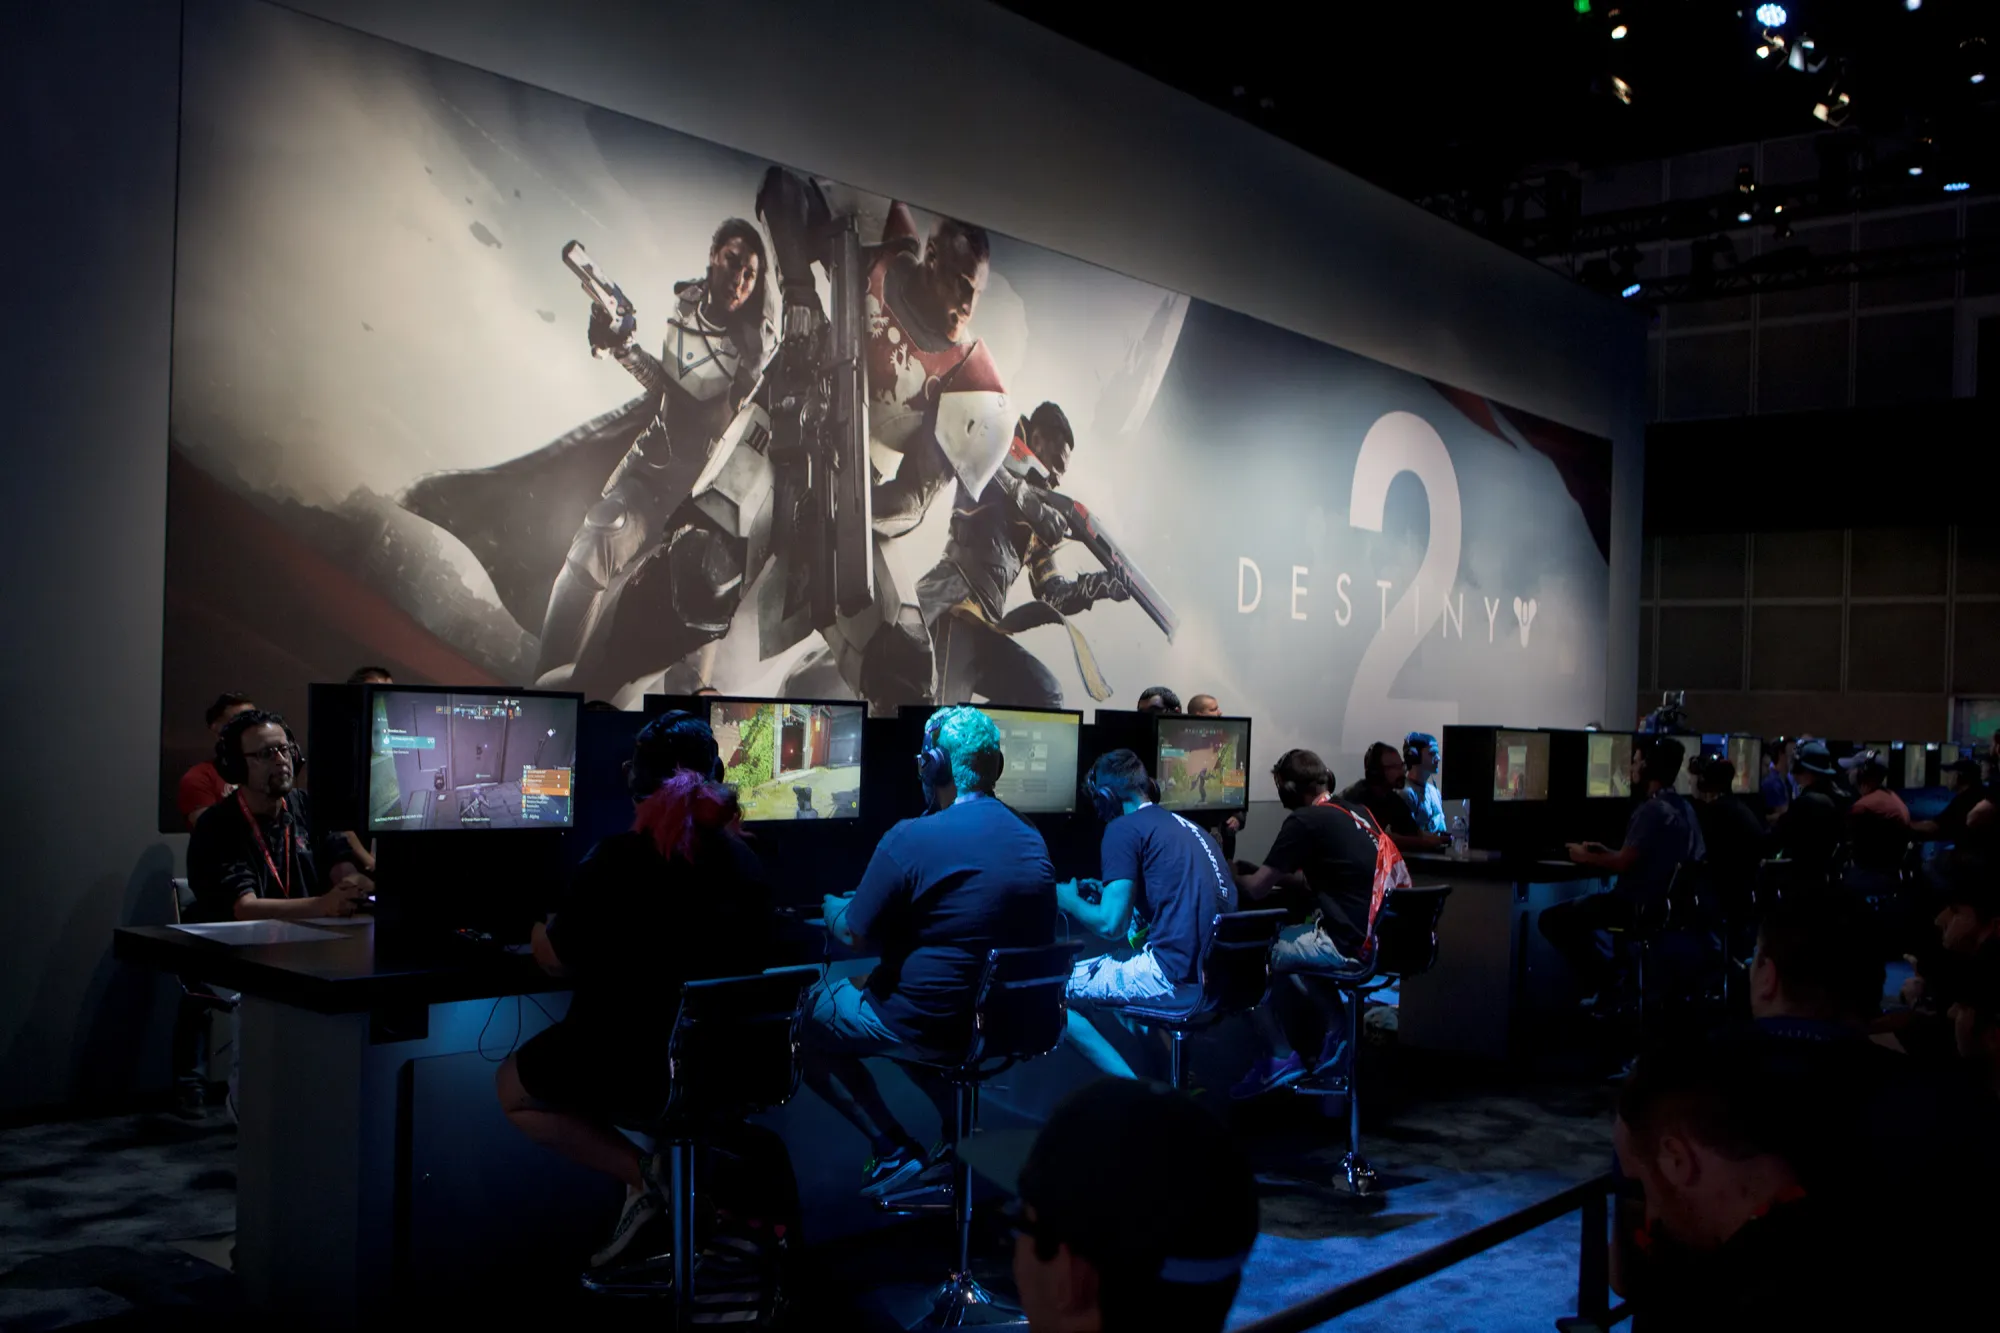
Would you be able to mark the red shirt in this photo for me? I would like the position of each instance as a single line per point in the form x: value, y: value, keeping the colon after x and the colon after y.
x: 201, y: 787
x: 1882, y: 803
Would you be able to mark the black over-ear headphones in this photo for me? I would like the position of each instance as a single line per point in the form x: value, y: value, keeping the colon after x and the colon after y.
x: 229, y: 759
x: 688, y: 742
x: 933, y: 764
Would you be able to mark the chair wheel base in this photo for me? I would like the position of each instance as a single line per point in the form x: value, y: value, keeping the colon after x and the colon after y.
x: 962, y: 1303
x: 1359, y: 1177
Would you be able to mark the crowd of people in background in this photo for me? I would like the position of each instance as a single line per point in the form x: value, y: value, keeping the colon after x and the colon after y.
x: 1795, y: 1164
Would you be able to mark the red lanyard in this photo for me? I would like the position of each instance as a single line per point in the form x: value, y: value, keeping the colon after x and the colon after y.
x: 283, y: 877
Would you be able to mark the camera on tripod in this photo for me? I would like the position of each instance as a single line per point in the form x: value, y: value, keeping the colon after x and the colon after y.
x: 1670, y: 716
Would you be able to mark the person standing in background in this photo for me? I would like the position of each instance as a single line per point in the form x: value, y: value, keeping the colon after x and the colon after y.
x: 203, y: 786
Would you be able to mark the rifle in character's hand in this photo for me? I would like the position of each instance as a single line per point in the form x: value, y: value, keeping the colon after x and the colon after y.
x: 1087, y: 528
x: 620, y: 318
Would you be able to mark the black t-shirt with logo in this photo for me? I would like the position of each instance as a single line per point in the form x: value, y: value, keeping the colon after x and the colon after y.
x: 1180, y: 881
x: 1338, y: 860
x: 225, y: 862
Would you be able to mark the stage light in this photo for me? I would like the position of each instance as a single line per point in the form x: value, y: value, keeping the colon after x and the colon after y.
x: 1618, y: 33
x: 1746, y: 179
x: 1978, y: 77
x: 1913, y: 5
x: 1772, y: 16
x: 1630, y: 291
x: 1744, y: 216
x: 1583, y: 6
x: 1916, y: 171
x: 1957, y: 187
x: 1763, y: 52
x: 1621, y: 90
x: 1834, y: 110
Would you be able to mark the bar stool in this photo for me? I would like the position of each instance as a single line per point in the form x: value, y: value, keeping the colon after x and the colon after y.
x: 1403, y: 945
x: 1235, y: 974
x: 734, y: 1052
x: 1019, y: 1013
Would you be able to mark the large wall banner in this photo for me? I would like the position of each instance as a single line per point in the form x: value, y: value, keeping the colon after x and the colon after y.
x: 487, y: 385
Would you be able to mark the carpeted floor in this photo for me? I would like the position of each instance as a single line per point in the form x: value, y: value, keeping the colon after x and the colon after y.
x: 101, y: 1220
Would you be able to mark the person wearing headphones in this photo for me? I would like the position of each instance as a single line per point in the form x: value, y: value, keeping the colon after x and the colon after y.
x: 678, y: 898
x: 1662, y: 834
x: 1159, y: 870
x: 941, y: 890
x: 1420, y: 787
x: 1381, y: 790
x: 254, y: 855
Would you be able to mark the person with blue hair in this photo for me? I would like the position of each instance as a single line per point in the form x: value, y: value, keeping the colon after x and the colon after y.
x: 1420, y: 787
x: 941, y: 890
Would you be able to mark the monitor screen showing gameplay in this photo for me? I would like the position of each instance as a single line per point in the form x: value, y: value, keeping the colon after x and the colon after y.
x: 790, y: 759
x: 1204, y: 763
x: 1608, y: 772
x: 1520, y: 766
x: 1041, y: 749
x: 1747, y: 754
x: 459, y: 759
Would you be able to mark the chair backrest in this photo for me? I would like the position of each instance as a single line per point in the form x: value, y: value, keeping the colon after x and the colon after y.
x: 1021, y: 1009
x: 181, y: 899
x: 735, y: 1043
x: 1406, y: 934
x: 1236, y: 965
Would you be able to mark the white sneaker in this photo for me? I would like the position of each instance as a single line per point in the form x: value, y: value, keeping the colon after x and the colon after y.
x: 641, y: 1207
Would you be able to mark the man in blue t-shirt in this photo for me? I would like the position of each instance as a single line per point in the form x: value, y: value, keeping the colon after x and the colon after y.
x: 1158, y: 871
x: 940, y: 891
x: 1778, y: 787
x: 1662, y: 836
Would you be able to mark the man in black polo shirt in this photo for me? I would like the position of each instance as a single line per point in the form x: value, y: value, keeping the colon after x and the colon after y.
x: 1157, y: 868
x: 1328, y: 851
x: 1381, y: 790
x: 254, y: 855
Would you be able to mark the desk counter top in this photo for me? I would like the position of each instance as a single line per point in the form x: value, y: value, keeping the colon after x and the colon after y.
x: 353, y: 970
x: 1427, y: 865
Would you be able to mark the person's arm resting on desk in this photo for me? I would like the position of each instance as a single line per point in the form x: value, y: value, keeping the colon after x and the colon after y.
x: 1109, y: 917
x: 1603, y: 858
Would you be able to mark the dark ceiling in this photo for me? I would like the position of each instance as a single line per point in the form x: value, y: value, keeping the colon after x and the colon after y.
x: 1430, y: 99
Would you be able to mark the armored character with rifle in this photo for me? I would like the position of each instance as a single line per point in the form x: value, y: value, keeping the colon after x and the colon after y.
x: 1017, y: 522
x: 716, y: 343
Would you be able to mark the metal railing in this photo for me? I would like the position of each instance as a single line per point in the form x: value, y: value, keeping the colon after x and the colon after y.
x: 1594, y: 1311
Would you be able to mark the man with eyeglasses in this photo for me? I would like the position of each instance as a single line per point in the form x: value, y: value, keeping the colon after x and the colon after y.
x: 254, y: 855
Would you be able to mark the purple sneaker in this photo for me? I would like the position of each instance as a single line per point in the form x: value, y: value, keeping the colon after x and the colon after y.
x: 1268, y: 1075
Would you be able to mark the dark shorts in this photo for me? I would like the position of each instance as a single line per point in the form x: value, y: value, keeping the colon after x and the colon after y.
x: 572, y: 1068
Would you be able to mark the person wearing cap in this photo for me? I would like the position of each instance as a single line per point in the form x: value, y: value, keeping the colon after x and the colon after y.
x: 1810, y: 831
x: 1136, y: 1210
x: 1662, y: 834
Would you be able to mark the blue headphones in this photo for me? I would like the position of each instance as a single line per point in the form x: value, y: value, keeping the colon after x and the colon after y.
x: 933, y: 765
x: 1103, y: 800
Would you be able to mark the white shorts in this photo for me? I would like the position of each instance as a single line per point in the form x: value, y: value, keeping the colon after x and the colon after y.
x: 1307, y: 948
x: 1112, y: 979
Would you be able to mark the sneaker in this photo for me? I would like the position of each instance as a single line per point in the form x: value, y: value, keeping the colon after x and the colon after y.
x: 641, y: 1207
x: 896, y: 1170
x: 1332, y: 1054
x: 1268, y: 1075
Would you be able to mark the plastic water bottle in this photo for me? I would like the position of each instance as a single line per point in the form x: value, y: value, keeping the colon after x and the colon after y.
x: 1461, y: 838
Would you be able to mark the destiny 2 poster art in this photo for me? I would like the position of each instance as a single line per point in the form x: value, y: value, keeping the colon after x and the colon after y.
x: 490, y: 386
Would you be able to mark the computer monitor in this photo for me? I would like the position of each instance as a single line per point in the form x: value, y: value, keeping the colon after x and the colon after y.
x: 1203, y: 763
x: 1041, y: 747
x: 1747, y: 754
x: 1520, y: 766
x: 1608, y: 766
x: 790, y: 758
x: 446, y: 758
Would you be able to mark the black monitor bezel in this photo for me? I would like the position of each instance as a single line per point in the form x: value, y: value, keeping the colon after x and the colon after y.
x: 1161, y: 719
x: 369, y: 692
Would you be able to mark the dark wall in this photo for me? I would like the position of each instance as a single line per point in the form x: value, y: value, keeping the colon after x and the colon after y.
x: 1018, y: 129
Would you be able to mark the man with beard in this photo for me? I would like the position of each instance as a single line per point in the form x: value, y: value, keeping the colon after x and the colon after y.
x: 254, y: 855
x: 717, y: 342
x: 964, y: 597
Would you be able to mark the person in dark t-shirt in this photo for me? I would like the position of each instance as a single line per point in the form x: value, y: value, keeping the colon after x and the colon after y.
x: 1381, y: 790
x: 1157, y: 869
x: 254, y: 854
x: 678, y: 898
x: 1809, y: 832
x: 939, y: 893
x: 1328, y: 848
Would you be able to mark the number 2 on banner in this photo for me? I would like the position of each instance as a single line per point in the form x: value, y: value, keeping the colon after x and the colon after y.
x: 1403, y: 442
